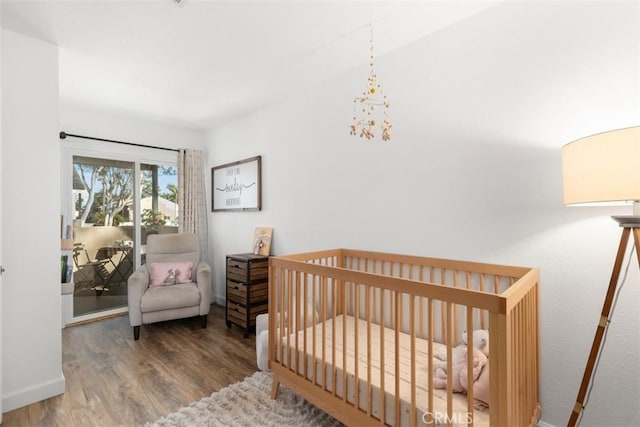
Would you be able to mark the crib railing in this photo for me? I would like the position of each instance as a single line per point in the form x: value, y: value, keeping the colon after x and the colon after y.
x: 392, y: 297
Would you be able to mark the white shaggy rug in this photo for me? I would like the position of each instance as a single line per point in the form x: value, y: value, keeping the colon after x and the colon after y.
x: 249, y: 403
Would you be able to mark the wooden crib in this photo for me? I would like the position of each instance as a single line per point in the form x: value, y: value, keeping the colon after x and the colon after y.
x: 356, y: 334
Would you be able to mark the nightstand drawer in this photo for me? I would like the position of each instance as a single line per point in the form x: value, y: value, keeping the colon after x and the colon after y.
x: 238, y: 313
x: 237, y: 270
x: 238, y: 292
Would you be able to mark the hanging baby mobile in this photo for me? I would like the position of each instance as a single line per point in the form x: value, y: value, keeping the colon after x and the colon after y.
x: 365, y: 114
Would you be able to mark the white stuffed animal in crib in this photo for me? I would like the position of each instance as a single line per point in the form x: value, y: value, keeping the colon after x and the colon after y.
x: 480, y: 363
x: 481, y: 386
x: 459, y: 369
x: 480, y: 341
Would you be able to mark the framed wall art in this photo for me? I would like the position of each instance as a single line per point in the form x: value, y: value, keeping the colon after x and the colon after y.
x: 237, y: 186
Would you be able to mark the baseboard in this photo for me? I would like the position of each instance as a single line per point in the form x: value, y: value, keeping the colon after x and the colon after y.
x: 33, y: 394
x: 543, y: 424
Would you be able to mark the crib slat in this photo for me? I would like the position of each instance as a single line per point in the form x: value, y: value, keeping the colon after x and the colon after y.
x: 345, y: 386
x: 296, y: 321
x: 398, y: 314
x: 368, y: 310
x: 498, y: 411
x: 276, y: 320
x: 515, y: 345
x: 412, y: 331
x: 530, y: 350
x: 448, y: 326
x: 421, y: 308
x: 354, y: 288
x: 521, y: 356
x: 482, y: 288
x: 430, y: 329
x: 375, y: 306
x: 314, y: 380
x: 281, y: 309
x: 305, y: 292
x: 515, y: 354
x: 290, y: 316
x: 271, y: 303
x: 324, y: 291
x: 274, y: 306
x: 390, y: 300
x: 443, y: 314
x: 456, y: 329
x: 532, y: 380
x: 383, y: 369
x: 524, y: 362
x: 334, y: 298
x: 339, y: 284
x: 356, y: 353
x: 470, y: 345
x: 534, y: 344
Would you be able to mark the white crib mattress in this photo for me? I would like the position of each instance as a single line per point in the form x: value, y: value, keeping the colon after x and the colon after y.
x: 333, y: 368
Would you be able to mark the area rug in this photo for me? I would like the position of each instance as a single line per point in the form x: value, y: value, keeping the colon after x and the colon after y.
x: 249, y: 403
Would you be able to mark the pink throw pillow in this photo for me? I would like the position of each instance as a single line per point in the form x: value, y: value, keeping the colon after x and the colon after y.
x: 170, y: 273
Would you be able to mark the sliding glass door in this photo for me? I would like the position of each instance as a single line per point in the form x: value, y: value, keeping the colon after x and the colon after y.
x: 104, y: 238
x: 159, y: 202
x: 116, y: 201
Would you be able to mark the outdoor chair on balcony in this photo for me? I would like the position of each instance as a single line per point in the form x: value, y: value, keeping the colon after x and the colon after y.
x: 119, y: 257
x: 124, y: 268
x: 89, y: 274
x: 174, y: 282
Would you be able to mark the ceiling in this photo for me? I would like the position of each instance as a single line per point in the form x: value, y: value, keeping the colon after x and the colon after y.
x: 201, y: 63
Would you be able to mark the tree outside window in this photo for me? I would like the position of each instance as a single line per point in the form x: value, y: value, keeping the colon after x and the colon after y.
x: 104, y: 191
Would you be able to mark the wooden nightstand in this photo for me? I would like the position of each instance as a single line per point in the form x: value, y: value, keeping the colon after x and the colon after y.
x: 247, y: 289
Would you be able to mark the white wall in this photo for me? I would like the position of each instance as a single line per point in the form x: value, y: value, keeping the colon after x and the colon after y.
x: 31, y: 339
x: 480, y: 111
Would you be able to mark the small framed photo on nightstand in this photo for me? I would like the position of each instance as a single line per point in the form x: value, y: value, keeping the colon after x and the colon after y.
x: 262, y: 241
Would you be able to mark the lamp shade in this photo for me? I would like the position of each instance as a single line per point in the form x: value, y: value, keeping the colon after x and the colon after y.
x: 602, y: 168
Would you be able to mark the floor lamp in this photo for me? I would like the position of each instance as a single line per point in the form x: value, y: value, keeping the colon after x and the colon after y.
x: 604, y: 169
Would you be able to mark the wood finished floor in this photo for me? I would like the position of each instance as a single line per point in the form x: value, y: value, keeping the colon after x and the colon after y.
x: 112, y: 380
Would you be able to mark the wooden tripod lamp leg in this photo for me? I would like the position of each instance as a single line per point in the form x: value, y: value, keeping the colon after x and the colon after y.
x: 636, y: 238
x: 602, y: 324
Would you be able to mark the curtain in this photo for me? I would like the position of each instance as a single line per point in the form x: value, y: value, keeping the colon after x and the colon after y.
x: 192, y: 203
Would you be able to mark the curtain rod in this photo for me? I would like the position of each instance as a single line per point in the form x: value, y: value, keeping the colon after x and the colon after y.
x: 63, y: 135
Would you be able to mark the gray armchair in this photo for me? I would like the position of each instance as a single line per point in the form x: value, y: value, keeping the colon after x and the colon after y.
x: 149, y: 304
